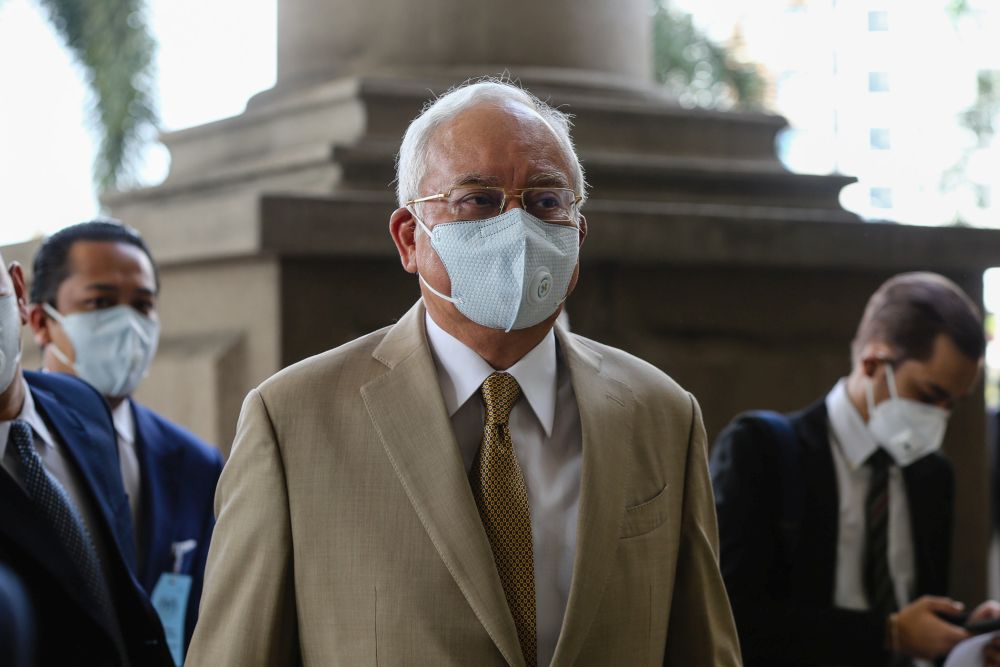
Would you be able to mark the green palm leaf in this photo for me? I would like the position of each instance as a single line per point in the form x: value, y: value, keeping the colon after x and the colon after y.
x: 112, y: 42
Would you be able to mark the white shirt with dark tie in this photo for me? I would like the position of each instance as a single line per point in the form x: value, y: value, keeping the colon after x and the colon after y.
x: 545, y: 431
x: 852, y: 444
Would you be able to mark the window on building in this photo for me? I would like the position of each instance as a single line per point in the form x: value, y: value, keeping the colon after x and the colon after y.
x: 878, y: 21
x: 878, y: 138
x: 880, y: 197
x: 878, y: 82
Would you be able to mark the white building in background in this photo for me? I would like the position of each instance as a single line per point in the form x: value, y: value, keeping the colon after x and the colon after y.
x: 875, y: 89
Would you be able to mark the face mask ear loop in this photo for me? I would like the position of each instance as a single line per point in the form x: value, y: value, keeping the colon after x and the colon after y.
x: 59, y: 354
x: 427, y: 284
x: 420, y: 222
x: 891, y: 380
x: 437, y: 293
x: 52, y: 312
x: 869, y: 396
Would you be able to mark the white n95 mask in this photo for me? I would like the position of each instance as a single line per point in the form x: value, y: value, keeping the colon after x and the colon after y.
x: 510, y: 271
x: 10, y: 340
x: 907, y: 429
x: 113, y: 347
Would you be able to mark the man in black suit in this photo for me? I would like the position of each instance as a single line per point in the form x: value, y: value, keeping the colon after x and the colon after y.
x: 65, y: 529
x: 835, y: 522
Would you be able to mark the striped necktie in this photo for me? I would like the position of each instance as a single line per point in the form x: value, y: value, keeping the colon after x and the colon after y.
x: 502, y: 498
x: 62, y: 515
x: 877, y: 576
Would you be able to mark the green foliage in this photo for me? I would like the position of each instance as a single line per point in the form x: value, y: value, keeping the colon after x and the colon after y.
x: 698, y: 71
x: 111, y: 41
x: 981, y: 117
x: 958, y: 8
x: 981, y: 120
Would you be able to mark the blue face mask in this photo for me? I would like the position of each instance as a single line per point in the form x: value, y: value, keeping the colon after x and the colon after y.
x: 510, y: 271
x: 113, y: 347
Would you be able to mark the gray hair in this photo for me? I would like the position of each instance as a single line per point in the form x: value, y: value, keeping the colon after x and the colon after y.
x: 411, y: 164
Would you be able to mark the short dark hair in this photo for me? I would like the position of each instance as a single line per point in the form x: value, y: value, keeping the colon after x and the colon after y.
x: 51, y: 265
x: 910, y: 310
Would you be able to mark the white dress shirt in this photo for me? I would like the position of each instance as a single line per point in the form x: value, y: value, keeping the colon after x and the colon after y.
x: 128, y: 461
x: 852, y: 443
x: 545, y: 431
x: 58, y: 463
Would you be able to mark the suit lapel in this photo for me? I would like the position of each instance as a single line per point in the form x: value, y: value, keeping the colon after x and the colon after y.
x: 83, y: 452
x: 152, y: 451
x: 606, y: 410
x: 413, y: 425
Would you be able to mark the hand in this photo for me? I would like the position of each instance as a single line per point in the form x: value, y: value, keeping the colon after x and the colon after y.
x: 985, y: 612
x: 991, y: 652
x: 922, y: 634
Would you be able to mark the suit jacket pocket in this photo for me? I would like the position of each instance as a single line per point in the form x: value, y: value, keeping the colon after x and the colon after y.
x: 646, y: 517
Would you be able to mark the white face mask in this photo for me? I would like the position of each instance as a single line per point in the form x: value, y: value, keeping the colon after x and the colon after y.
x: 909, y: 430
x: 113, y: 347
x: 10, y: 340
x: 507, y: 272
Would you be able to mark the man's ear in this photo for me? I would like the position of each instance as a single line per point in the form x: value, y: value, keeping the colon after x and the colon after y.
x: 20, y: 290
x: 40, y: 323
x: 403, y: 229
x: 583, y: 229
x: 874, y: 356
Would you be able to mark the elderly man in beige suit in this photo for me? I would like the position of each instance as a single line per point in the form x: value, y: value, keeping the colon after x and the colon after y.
x: 472, y: 485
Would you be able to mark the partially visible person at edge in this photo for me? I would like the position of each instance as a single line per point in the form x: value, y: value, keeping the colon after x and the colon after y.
x: 93, y: 311
x: 471, y: 486
x: 65, y: 529
x: 835, y: 522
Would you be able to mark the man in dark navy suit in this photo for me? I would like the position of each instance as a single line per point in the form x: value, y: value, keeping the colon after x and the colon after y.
x: 93, y: 310
x: 835, y: 522
x: 65, y: 530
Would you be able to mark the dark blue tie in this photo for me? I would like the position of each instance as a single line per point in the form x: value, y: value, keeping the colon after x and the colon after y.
x: 55, y: 505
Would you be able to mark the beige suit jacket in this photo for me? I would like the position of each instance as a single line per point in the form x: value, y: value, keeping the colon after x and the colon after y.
x: 348, y: 534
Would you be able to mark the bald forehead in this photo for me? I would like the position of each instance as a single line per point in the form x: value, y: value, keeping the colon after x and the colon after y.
x: 508, y: 117
x: 495, y: 134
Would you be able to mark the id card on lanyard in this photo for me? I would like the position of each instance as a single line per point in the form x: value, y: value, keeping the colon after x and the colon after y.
x: 170, y: 600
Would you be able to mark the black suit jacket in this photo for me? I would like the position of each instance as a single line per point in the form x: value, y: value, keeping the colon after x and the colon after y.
x: 781, y: 582
x: 68, y: 630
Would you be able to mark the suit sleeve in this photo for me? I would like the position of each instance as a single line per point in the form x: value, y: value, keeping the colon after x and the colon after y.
x: 774, y: 626
x: 701, y: 624
x: 247, y: 614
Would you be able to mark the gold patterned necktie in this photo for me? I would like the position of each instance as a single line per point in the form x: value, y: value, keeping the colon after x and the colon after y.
x: 502, y: 498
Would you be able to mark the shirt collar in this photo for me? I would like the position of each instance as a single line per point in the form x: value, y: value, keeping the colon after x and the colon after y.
x: 850, y: 432
x: 461, y: 373
x: 30, y: 415
x: 124, y: 423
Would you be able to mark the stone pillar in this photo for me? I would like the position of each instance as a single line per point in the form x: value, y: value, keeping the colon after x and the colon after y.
x: 322, y: 39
